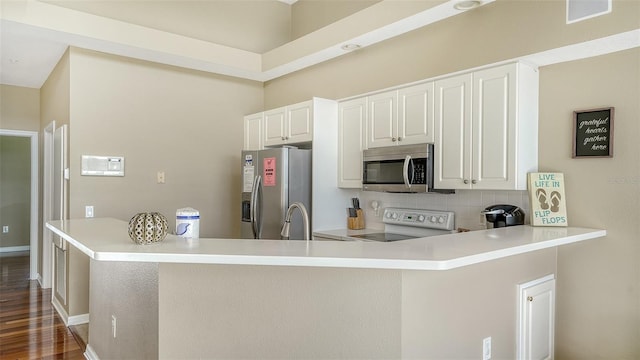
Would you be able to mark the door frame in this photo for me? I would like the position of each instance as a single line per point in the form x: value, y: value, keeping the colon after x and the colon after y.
x: 46, y: 271
x: 33, y: 224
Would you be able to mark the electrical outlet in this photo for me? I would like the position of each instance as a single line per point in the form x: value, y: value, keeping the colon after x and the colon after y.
x: 160, y: 177
x: 5, y: 229
x: 113, y: 325
x: 486, y: 348
x: 88, y: 211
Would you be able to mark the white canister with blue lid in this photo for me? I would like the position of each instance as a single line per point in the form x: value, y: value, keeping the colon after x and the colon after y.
x: 188, y: 223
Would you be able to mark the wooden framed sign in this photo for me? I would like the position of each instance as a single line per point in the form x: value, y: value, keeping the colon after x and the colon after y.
x: 593, y: 133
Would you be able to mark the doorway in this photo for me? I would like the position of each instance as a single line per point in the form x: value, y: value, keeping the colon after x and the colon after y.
x: 32, y: 137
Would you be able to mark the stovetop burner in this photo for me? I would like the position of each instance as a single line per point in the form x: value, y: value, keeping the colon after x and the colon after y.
x: 384, y: 237
x: 403, y: 224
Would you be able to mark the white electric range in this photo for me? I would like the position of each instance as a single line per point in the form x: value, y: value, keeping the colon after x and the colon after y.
x: 403, y: 224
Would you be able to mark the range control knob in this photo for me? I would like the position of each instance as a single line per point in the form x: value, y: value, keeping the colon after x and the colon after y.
x: 420, y: 218
x: 394, y: 216
x: 441, y: 220
x: 387, y: 215
x: 433, y: 219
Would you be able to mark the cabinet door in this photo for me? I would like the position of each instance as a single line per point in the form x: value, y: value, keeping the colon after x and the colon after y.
x: 494, y: 128
x: 452, y: 164
x: 536, y: 319
x: 415, y: 114
x: 382, y: 119
x: 299, y: 126
x: 352, y: 117
x: 253, y: 132
x: 274, y: 127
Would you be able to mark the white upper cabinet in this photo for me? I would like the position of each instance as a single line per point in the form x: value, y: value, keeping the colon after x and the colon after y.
x: 401, y: 117
x: 382, y: 119
x: 486, y: 129
x: 299, y: 122
x: 452, y: 165
x: 415, y: 114
x: 352, y: 117
x: 253, y: 132
x: 288, y: 125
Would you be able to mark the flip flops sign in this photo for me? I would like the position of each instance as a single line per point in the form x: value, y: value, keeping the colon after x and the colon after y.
x: 546, y: 196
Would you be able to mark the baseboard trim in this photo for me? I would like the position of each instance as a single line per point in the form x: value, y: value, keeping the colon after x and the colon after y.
x: 90, y: 354
x: 69, y: 320
x: 60, y: 310
x: 78, y: 319
x: 7, y: 249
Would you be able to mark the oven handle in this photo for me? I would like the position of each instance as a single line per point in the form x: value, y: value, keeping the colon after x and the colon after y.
x: 405, y: 171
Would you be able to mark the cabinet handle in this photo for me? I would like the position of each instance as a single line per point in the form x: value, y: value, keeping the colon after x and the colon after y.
x: 465, y: 181
x: 530, y: 298
x: 473, y: 181
x: 399, y: 138
x: 393, y: 139
x: 282, y: 138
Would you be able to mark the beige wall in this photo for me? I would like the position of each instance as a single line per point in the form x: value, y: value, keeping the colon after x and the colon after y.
x: 495, y: 32
x: 136, y: 313
x: 15, y: 190
x: 186, y: 124
x: 253, y: 25
x: 599, y: 281
x: 255, y: 312
x: 310, y: 15
x: 19, y: 108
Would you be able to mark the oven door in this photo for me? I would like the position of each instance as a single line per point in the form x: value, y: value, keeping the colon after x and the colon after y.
x: 395, y: 174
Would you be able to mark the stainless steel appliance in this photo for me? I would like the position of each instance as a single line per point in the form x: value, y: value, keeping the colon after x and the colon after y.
x: 403, y: 224
x: 273, y: 179
x: 504, y: 215
x: 404, y: 168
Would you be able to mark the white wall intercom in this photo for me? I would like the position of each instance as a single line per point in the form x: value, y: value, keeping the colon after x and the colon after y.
x: 102, y: 165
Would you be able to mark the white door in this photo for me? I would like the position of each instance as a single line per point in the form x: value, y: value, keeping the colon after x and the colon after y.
x: 415, y: 114
x: 59, y: 202
x: 352, y: 117
x: 494, y: 128
x: 452, y: 163
x: 299, y: 125
x: 536, y: 319
x: 382, y: 119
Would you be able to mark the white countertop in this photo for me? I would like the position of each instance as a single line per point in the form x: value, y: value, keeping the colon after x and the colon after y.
x: 106, y: 239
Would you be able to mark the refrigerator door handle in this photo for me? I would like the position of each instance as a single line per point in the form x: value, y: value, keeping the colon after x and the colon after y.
x: 255, y: 226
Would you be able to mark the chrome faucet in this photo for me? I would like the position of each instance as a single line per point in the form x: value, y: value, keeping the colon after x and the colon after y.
x: 286, y: 227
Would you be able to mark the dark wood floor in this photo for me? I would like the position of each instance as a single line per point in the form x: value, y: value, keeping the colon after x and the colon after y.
x: 29, y: 326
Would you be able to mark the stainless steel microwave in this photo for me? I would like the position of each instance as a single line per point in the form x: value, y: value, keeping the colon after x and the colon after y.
x: 403, y: 168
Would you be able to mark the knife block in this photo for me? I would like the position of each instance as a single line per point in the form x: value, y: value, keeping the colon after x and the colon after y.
x: 356, y: 223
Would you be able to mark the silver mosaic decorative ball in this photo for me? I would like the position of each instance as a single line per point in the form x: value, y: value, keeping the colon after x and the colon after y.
x: 148, y: 228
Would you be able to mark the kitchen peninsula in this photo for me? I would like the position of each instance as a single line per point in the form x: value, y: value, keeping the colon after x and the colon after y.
x: 432, y: 297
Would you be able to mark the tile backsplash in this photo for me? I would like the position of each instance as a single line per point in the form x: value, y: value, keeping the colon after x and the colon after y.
x: 467, y: 204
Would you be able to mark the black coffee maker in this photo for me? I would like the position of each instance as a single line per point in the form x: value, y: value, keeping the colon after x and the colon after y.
x: 504, y: 215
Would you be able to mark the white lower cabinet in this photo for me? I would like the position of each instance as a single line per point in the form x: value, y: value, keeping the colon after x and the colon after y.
x: 486, y: 129
x: 352, y: 117
x: 536, y: 319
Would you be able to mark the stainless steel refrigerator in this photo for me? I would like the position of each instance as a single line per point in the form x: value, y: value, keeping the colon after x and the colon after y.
x: 272, y: 180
